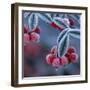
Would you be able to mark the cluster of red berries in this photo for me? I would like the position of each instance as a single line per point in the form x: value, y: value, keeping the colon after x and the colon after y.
x: 70, y: 57
x: 33, y: 36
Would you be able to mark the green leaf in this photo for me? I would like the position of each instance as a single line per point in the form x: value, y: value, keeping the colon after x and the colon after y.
x: 45, y: 17
x: 63, y: 45
x: 61, y: 35
x: 33, y: 21
x: 26, y: 14
x: 60, y: 22
x: 74, y: 33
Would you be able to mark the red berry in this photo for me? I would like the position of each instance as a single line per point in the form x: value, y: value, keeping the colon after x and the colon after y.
x: 29, y: 33
x: 67, y: 55
x: 34, y: 37
x: 37, y: 30
x: 54, y: 50
x: 56, y: 26
x: 73, y: 57
x: 26, y: 38
x: 71, y: 22
x: 56, y: 62
x: 50, y: 58
x: 64, y: 60
x: 66, y: 20
x: 71, y: 50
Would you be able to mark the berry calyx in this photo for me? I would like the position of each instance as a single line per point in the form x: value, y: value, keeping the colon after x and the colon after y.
x: 50, y: 58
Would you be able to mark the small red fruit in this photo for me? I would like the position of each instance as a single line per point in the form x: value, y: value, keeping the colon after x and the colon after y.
x: 67, y: 55
x: 50, y: 58
x: 34, y: 37
x: 64, y: 60
x: 56, y: 26
x: 56, y: 62
x: 73, y: 57
x: 37, y: 30
x: 71, y: 50
x: 71, y: 22
x: 26, y: 38
x: 54, y: 50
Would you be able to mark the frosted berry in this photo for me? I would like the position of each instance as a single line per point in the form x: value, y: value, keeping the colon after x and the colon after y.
x: 34, y: 37
x: 64, y: 60
x: 26, y: 38
x: 71, y: 22
x: 56, y: 62
x: 71, y: 50
x: 66, y: 20
x: 56, y: 26
x: 54, y: 50
x: 73, y: 57
x: 50, y: 58
x: 37, y: 30
x: 67, y: 55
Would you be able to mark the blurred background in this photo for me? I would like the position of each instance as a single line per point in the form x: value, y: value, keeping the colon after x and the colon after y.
x: 34, y: 58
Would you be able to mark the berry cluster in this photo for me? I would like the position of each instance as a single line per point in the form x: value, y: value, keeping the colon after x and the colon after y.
x: 70, y: 57
x: 33, y: 36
